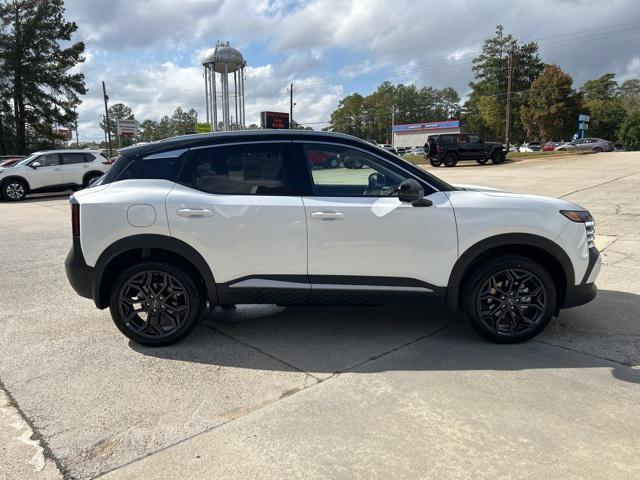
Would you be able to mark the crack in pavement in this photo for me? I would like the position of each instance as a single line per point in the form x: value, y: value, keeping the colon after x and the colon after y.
x: 598, y: 185
x: 287, y: 394
x: 36, y: 436
x: 563, y: 347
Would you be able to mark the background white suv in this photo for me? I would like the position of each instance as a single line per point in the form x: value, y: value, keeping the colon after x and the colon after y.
x: 52, y: 171
x: 245, y: 217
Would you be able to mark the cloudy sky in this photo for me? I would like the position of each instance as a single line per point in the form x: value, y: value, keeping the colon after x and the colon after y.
x: 149, y: 51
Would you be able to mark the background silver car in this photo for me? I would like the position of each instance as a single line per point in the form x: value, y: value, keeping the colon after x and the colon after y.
x: 595, y: 144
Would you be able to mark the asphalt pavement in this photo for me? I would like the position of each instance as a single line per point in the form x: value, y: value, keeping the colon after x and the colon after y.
x: 379, y: 392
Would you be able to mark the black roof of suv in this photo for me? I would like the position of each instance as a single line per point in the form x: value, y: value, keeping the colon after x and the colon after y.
x: 218, y: 138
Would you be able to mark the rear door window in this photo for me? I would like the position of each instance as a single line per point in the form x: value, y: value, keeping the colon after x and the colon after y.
x: 71, y: 158
x: 250, y: 169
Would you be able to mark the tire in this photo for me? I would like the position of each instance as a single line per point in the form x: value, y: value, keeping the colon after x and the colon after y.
x: 358, y: 164
x: 597, y: 149
x: 333, y: 162
x: 166, y: 319
x: 450, y: 160
x: 497, y: 157
x: 435, y: 162
x: 482, y: 161
x: 14, y: 190
x: 505, y: 284
x: 90, y: 178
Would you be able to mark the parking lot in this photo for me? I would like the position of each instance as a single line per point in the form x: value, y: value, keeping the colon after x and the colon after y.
x: 378, y: 392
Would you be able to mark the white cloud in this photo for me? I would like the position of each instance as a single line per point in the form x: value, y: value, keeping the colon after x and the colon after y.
x: 149, y: 51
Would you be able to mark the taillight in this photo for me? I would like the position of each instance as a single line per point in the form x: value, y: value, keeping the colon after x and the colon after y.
x: 75, y: 219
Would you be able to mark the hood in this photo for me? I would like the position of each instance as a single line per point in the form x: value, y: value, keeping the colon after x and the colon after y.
x: 475, y: 188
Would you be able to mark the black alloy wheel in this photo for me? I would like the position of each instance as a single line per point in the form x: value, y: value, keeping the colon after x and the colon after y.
x: 435, y: 162
x: 155, y: 303
x: 14, y: 190
x: 510, y: 299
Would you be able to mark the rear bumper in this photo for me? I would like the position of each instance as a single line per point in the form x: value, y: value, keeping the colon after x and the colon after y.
x: 79, y: 274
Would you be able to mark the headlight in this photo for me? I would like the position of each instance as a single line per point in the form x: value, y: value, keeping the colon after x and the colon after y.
x: 582, y: 216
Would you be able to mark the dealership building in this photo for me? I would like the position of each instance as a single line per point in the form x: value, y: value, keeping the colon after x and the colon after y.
x: 416, y: 134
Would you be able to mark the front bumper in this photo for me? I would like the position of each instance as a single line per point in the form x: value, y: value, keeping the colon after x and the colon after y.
x: 587, y: 290
x: 79, y: 274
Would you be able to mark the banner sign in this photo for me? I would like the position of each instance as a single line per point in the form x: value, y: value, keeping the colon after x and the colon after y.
x: 411, y: 127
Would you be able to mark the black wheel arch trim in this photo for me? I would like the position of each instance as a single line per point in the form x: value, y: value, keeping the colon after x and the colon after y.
x: 461, y: 267
x: 15, y: 177
x: 152, y: 241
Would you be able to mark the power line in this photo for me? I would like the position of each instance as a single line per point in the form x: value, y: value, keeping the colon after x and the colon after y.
x: 448, y: 63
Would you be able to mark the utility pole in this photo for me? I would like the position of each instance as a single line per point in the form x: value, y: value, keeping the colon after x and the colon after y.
x: 106, y: 116
x: 291, y: 107
x: 507, y: 126
x: 393, y: 122
x: 77, y: 141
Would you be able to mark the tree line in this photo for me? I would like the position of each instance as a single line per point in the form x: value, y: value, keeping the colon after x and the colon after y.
x: 544, y: 106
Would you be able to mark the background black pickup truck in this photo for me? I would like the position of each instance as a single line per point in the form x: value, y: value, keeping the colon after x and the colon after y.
x: 449, y: 149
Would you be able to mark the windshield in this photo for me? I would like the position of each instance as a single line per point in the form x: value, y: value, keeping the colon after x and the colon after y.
x: 28, y: 159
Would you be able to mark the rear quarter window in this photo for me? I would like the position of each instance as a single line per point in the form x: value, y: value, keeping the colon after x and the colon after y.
x: 143, y: 169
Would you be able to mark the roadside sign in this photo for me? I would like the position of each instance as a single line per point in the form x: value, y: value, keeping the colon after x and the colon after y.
x: 583, y: 126
x: 584, y: 118
x: 127, y: 127
x: 274, y: 120
x: 204, y: 128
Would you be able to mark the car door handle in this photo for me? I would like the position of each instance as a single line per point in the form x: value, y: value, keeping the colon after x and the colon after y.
x: 195, y: 212
x: 328, y: 216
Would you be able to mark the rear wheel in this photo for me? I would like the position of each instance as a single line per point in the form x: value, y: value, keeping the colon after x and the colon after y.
x: 155, y: 303
x: 90, y: 178
x: 14, y: 190
x: 509, y: 299
x: 450, y: 160
x: 435, y: 162
x: 497, y: 157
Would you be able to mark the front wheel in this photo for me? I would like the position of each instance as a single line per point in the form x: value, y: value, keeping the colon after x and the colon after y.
x: 14, y: 190
x: 155, y: 303
x: 509, y: 299
x: 597, y: 150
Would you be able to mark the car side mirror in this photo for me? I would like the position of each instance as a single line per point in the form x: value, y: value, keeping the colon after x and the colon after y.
x: 35, y: 165
x: 410, y: 191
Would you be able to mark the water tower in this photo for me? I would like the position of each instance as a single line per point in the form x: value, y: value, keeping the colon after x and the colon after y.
x: 226, y: 62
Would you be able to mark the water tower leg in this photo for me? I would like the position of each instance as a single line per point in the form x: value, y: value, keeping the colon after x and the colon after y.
x: 214, y: 99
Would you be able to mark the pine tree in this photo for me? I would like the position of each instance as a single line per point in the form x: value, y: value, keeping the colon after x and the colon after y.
x: 490, y: 72
x: 36, y: 69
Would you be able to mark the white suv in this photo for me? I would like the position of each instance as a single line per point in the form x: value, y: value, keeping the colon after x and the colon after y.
x: 52, y: 171
x: 244, y: 217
